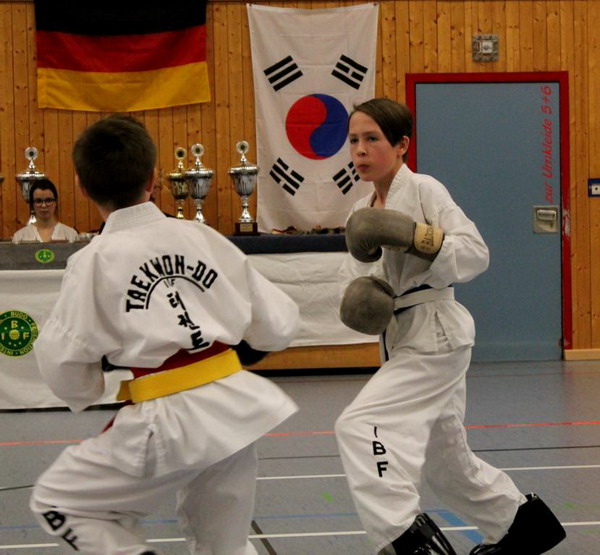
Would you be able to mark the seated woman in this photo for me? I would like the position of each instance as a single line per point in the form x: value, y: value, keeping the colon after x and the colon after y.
x: 43, y: 200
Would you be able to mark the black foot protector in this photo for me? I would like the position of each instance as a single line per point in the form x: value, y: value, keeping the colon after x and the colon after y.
x: 423, y: 538
x: 535, y: 530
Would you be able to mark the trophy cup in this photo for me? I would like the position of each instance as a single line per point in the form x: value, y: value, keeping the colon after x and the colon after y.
x: 179, y: 186
x: 198, y: 179
x: 27, y: 178
x: 244, y: 181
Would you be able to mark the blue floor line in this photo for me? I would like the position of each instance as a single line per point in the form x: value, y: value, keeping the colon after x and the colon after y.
x: 453, y: 520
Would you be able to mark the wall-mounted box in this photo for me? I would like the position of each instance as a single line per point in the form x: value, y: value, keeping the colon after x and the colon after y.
x: 594, y: 187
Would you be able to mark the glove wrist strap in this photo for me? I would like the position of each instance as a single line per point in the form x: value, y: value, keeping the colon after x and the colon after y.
x: 427, y: 239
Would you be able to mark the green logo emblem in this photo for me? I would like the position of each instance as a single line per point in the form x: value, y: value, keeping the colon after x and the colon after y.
x: 43, y: 256
x: 18, y: 331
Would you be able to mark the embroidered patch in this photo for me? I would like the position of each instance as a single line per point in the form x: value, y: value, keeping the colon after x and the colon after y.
x: 18, y: 331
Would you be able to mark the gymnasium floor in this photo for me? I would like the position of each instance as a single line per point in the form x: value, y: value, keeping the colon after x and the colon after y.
x: 538, y: 421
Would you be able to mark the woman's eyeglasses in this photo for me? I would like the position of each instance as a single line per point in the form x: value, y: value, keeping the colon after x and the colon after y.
x: 44, y: 201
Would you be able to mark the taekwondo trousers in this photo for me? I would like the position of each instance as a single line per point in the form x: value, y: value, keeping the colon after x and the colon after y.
x: 407, y: 424
x: 97, y: 508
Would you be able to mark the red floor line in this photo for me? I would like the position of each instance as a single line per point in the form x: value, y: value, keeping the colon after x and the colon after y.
x: 323, y: 432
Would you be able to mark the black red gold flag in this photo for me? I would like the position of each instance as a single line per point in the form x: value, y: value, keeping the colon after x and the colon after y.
x: 121, y: 57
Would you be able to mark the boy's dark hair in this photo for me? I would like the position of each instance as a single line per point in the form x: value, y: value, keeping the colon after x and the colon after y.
x: 394, y: 119
x: 43, y: 185
x: 114, y: 159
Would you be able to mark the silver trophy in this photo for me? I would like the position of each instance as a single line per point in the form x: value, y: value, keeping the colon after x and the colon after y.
x: 244, y: 181
x: 198, y: 178
x: 27, y: 178
x: 179, y: 186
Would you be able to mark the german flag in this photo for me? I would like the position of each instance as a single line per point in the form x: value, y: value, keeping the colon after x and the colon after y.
x: 121, y: 57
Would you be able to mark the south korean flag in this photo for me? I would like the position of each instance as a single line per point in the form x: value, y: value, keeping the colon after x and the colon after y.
x: 310, y: 68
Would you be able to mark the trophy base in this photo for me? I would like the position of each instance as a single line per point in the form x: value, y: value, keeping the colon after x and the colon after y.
x: 246, y: 228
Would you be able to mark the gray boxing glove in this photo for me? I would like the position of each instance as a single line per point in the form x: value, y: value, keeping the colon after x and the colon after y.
x: 370, y: 229
x: 367, y: 305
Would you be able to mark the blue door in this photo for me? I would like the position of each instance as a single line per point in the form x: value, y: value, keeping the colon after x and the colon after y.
x: 496, y: 147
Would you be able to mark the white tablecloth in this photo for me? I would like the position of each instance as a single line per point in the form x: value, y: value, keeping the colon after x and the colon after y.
x: 310, y: 278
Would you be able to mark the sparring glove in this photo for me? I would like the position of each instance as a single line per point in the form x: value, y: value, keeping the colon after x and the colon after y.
x: 247, y: 355
x: 367, y: 305
x: 370, y: 229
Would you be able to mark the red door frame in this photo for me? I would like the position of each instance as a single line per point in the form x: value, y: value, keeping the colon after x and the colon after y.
x: 562, y: 78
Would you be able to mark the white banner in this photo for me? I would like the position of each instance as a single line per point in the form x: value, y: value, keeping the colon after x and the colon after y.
x: 26, y: 300
x: 310, y: 67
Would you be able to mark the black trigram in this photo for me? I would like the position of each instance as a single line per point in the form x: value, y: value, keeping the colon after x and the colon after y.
x: 346, y: 177
x: 290, y: 180
x: 349, y: 71
x: 283, y: 73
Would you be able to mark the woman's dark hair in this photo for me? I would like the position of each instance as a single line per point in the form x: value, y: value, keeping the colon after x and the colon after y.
x: 394, y: 119
x: 43, y: 185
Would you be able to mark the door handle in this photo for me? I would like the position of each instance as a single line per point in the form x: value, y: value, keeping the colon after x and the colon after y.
x: 546, y: 219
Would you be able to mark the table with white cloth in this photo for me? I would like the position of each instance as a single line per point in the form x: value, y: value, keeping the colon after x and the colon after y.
x: 30, y: 277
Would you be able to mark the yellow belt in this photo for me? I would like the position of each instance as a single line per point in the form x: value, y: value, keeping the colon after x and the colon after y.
x: 179, y: 379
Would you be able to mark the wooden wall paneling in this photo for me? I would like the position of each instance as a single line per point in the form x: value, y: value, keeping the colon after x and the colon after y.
x: 444, y: 36
x: 402, y: 47
x: 179, y: 123
x: 192, y: 129
x: 470, y: 24
x: 65, y: 165
x: 593, y: 90
x: 457, y: 36
x: 499, y: 28
x: 21, y: 102
x: 208, y: 139
x: 378, y: 56
x: 389, y: 58
x: 8, y: 190
x: 50, y: 163
x: 249, y: 127
x: 82, y: 205
x: 580, y: 220
x: 513, y: 45
x: 593, y: 96
x: 95, y: 218
x: 236, y: 101
x: 526, y: 35
x: 482, y: 26
x: 416, y: 52
x: 540, y: 43
x: 221, y: 101
x: 150, y: 120
x: 566, y: 39
x: 168, y: 162
x: 430, y: 37
x: 553, y: 42
x: 36, y: 124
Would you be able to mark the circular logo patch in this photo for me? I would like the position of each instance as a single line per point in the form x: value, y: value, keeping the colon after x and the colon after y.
x: 44, y: 256
x: 317, y: 126
x: 18, y: 331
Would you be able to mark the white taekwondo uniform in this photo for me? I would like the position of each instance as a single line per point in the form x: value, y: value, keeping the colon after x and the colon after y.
x: 30, y: 233
x: 407, y: 422
x: 144, y: 289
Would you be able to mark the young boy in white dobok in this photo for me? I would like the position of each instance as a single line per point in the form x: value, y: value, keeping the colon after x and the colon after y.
x: 180, y: 305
